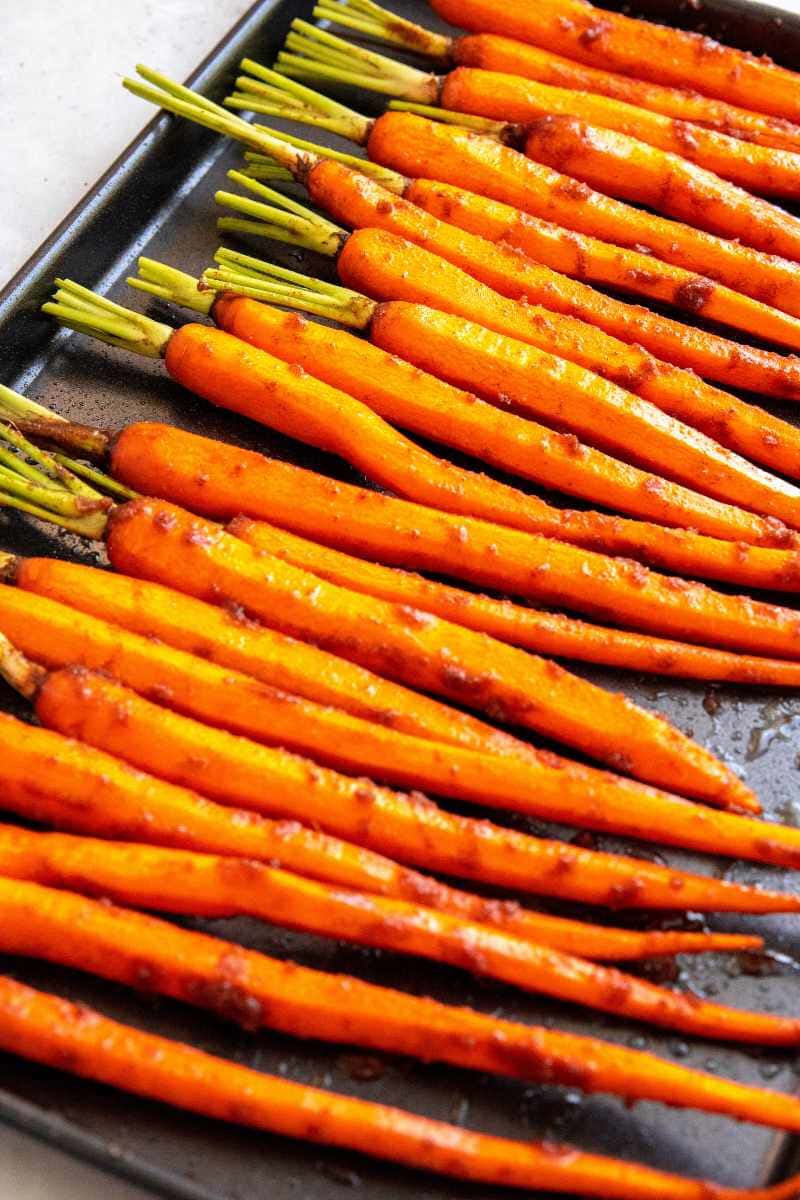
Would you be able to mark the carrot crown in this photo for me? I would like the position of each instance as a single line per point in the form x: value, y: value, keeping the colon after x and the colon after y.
x: 167, y: 283
x: 17, y: 670
x: 241, y: 275
x: 367, y: 18
x: 312, y: 53
x: 265, y: 91
x: 274, y: 215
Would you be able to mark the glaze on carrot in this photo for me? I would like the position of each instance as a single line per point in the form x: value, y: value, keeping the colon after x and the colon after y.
x: 52, y: 1031
x: 182, y: 882
x: 196, y: 969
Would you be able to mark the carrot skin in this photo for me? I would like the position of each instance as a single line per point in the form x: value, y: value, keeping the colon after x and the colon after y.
x: 49, y: 1030
x: 188, y: 883
x: 432, y: 150
x: 371, y: 262
x: 636, y: 47
x: 423, y: 404
x: 586, y: 258
x: 416, y: 648
x: 196, y: 969
x: 159, y: 460
x: 493, y: 52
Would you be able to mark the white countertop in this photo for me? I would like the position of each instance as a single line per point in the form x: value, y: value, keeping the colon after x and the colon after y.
x: 65, y: 119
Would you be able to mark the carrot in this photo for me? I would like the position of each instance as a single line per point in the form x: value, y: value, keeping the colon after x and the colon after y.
x: 54, y: 1032
x: 48, y: 778
x: 545, y: 784
x: 441, y: 285
x: 583, y: 257
x: 361, y: 388
x: 159, y: 460
x: 638, y: 48
x: 533, y: 629
x: 493, y: 52
x: 197, y: 969
x: 181, y: 881
x: 226, y: 637
x: 627, y: 168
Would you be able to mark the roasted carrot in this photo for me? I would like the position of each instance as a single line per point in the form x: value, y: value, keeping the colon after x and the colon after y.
x: 195, y: 968
x: 156, y: 459
x: 627, y: 168
x: 226, y: 637
x: 533, y: 629
x: 295, y: 396
x: 181, y: 881
x: 546, y: 784
x: 517, y: 102
x: 51, y: 779
x: 50, y: 1030
x: 583, y: 257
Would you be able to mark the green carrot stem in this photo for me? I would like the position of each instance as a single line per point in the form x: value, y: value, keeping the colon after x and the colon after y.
x: 83, y: 310
x: 91, y: 474
x: 282, y: 218
x: 13, y: 404
x: 393, y: 181
x: 167, y: 283
x: 262, y: 168
x: 501, y: 130
x: 364, y: 16
x: 292, y: 97
x: 57, y: 501
x: 92, y: 526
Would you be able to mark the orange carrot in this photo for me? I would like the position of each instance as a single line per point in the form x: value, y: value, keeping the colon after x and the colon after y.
x: 583, y: 257
x: 181, y: 881
x: 636, y: 47
x: 49, y: 1030
x: 156, y: 459
x: 192, y: 967
x: 349, y: 417
x: 627, y: 168
x: 441, y: 285
x: 51, y: 779
x: 542, y: 632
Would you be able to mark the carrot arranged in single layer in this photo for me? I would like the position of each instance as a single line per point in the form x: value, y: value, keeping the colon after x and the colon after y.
x: 628, y: 168
x: 49, y: 778
x: 52, y: 1031
x: 181, y: 881
x: 257, y: 991
x: 361, y: 388
x: 493, y: 52
x: 248, y: 776
x: 229, y: 639
x: 508, y: 97
x: 636, y: 47
x: 584, y: 257
x: 543, y: 632
x: 226, y: 637
x: 159, y: 460
x: 433, y: 150
x: 235, y: 702
x: 371, y: 262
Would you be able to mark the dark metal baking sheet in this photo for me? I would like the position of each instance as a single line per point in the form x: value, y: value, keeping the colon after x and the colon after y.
x: 157, y: 198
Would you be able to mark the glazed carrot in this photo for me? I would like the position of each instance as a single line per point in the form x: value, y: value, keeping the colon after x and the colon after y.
x: 195, y: 968
x: 181, y: 881
x: 583, y: 257
x: 241, y: 773
x: 50, y: 779
x: 627, y: 168
x: 676, y: 393
x: 312, y: 54
x: 636, y: 47
x: 50, y: 1030
x: 228, y: 638
x: 156, y: 459
x: 242, y: 705
x: 533, y: 629
x: 339, y: 394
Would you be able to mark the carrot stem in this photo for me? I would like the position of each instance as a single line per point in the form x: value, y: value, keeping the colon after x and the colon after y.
x: 281, y: 218
x: 86, y: 312
x: 368, y: 18
x: 167, y: 283
x: 499, y: 129
x: 280, y: 96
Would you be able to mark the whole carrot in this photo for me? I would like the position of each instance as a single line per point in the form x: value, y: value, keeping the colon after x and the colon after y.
x: 182, y: 882
x: 156, y: 459
x: 116, y: 944
x: 667, y: 182
x: 637, y: 47
x: 50, y: 779
x: 50, y: 1030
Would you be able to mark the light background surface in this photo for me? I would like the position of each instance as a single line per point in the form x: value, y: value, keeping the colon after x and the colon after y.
x: 65, y: 118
